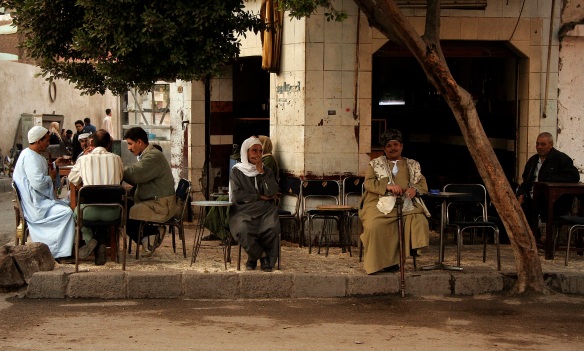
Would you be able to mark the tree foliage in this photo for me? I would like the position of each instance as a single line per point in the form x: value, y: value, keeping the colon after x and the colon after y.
x: 120, y: 44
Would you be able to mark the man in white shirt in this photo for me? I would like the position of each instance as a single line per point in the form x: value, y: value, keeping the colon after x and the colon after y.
x: 98, y: 167
x: 107, y: 123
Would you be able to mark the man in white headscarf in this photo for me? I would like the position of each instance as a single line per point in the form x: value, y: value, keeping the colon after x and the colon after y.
x: 253, y: 220
x: 50, y: 220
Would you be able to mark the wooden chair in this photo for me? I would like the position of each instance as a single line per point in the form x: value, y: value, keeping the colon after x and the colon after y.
x: 20, y: 220
x: 103, y: 196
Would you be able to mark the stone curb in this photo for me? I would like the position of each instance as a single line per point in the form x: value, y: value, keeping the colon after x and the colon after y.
x: 63, y: 283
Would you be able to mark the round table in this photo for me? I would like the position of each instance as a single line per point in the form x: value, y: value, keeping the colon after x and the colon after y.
x: 344, y: 237
x: 200, y: 228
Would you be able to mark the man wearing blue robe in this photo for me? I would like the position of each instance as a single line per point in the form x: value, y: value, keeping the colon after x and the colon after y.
x: 50, y: 221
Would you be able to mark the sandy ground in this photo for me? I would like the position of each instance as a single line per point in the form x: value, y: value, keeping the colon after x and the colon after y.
x: 386, y: 323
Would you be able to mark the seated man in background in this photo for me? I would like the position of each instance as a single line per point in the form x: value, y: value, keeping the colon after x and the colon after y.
x: 98, y: 167
x: 154, y: 197
x: 50, y: 220
x: 254, y: 220
x: 548, y: 165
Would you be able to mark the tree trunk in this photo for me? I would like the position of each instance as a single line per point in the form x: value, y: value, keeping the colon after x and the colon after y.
x: 386, y: 17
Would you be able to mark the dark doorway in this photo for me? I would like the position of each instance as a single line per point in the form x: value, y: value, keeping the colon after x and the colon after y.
x: 251, y: 99
x: 402, y: 98
x: 245, y: 115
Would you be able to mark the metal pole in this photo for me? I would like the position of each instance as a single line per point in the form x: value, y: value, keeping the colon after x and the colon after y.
x: 400, y: 233
x: 207, y: 133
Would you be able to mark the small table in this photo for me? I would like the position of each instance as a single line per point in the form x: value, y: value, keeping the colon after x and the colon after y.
x: 550, y: 193
x: 200, y: 228
x: 344, y: 237
x: 445, y: 196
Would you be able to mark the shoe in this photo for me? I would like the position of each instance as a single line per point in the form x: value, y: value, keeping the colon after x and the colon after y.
x: 265, y: 264
x: 160, y: 236
x: 146, y: 247
x: 209, y: 237
x: 100, y: 255
x: 251, y: 265
x: 414, y: 253
x: 87, y: 249
x: 393, y: 268
x: 65, y: 260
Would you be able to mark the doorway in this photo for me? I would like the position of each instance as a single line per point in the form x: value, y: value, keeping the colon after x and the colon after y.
x: 403, y: 98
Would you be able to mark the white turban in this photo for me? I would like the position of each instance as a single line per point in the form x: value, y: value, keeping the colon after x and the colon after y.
x: 249, y: 169
x: 83, y: 136
x: 36, y: 133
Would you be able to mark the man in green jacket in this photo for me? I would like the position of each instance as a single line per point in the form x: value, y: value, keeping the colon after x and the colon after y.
x: 154, y: 198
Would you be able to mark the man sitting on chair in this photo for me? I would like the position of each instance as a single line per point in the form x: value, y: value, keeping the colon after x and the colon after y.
x: 98, y: 167
x: 154, y: 196
x: 253, y: 220
x: 50, y: 220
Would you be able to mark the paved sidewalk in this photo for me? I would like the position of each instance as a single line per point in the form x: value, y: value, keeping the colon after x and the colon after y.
x: 169, y: 275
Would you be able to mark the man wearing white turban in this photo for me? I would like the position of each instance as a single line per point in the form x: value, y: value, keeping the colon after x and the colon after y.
x: 50, y: 220
x: 253, y: 220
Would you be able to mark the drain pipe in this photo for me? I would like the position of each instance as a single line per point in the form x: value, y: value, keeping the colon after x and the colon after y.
x: 549, y: 56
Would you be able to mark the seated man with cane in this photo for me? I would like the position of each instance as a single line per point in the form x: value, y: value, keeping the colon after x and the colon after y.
x: 388, y: 177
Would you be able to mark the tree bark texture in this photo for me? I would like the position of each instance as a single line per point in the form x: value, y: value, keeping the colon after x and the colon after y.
x: 385, y: 16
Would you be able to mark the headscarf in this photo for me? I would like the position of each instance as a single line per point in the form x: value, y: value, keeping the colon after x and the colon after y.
x: 266, y: 145
x: 36, y: 133
x: 249, y: 169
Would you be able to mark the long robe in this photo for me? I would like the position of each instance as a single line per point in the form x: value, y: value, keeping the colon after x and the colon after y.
x: 50, y: 221
x: 252, y: 221
x: 380, y: 235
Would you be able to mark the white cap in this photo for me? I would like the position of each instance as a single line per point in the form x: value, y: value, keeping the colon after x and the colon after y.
x: 36, y: 133
x: 83, y: 136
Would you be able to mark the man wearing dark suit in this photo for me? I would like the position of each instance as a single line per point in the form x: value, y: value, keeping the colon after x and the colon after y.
x: 548, y: 165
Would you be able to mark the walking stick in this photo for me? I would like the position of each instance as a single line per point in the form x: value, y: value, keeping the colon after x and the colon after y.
x: 400, y: 233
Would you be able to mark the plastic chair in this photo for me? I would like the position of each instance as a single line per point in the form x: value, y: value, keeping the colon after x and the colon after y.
x: 475, y: 200
x: 291, y: 189
x: 575, y: 224
x: 183, y: 191
x: 352, y: 193
x: 20, y: 220
x: 324, y: 191
x: 102, y: 196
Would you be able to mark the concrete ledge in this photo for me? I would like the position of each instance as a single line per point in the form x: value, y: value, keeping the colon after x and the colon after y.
x: 157, y: 285
x: 210, y: 286
x: 106, y: 285
x: 566, y: 283
x: 63, y: 283
x: 475, y: 284
x: 363, y: 285
x: 47, y: 285
x: 428, y: 284
x: 319, y: 285
x: 265, y: 285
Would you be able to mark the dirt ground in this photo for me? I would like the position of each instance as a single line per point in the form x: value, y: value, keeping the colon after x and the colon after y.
x: 497, y: 322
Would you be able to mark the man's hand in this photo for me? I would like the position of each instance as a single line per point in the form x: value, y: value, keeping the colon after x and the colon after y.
x: 257, y: 161
x: 62, y: 161
x: 521, y: 199
x: 394, y: 189
x: 268, y: 198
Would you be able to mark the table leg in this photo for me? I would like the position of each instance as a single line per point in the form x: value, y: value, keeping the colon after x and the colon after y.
x: 199, y: 229
x: 549, y: 235
x: 440, y: 264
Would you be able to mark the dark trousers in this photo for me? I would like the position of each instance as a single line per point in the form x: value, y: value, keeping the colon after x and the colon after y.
x: 133, y: 226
